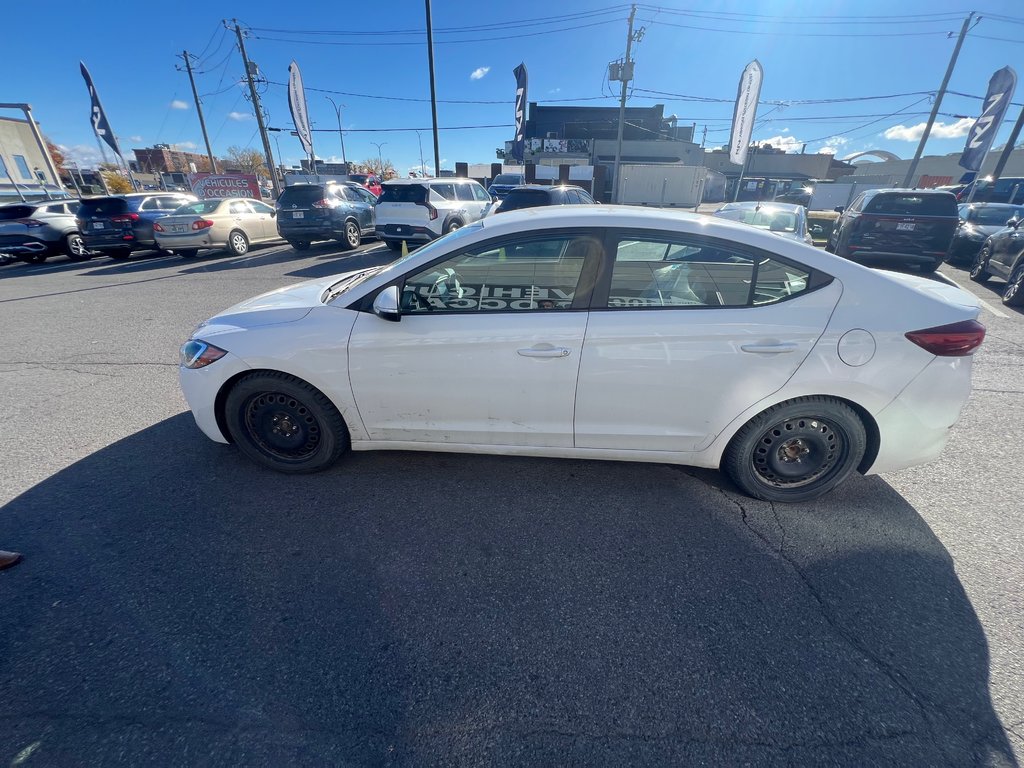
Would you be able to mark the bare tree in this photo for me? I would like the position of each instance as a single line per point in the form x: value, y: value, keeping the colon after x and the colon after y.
x: 246, y: 160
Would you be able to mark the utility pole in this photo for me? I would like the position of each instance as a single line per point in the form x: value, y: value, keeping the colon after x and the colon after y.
x: 433, y: 91
x: 249, y: 69
x: 337, y: 112
x: 1005, y: 154
x: 938, y: 100
x: 199, y: 110
x: 625, y: 74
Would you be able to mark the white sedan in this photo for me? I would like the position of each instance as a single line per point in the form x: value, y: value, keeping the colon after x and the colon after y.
x: 601, y: 333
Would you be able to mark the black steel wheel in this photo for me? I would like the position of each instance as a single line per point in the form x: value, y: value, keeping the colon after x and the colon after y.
x: 352, y: 236
x: 284, y: 423
x: 74, y: 247
x: 1013, y: 295
x: 797, y: 450
x: 979, y: 267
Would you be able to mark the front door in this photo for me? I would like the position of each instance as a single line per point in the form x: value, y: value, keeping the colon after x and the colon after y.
x: 487, y: 349
x: 692, y: 331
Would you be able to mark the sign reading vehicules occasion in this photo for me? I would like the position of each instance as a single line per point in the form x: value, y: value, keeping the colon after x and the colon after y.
x: 212, y: 185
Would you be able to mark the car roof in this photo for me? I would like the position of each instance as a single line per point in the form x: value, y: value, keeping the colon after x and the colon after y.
x: 765, y: 206
x: 908, y: 191
x: 432, y: 179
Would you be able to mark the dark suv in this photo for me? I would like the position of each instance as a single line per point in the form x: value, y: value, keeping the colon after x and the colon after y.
x: 334, y: 211
x: 537, y: 195
x: 1009, y: 189
x: 896, y: 227
x: 120, y: 224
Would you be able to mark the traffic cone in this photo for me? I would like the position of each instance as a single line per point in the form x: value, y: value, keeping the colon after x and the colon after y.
x: 405, y: 249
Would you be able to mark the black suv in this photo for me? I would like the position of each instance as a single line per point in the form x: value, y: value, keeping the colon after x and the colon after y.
x: 537, y: 195
x: 120, y: 224
x: 335, y: 211
x: 896, y: 227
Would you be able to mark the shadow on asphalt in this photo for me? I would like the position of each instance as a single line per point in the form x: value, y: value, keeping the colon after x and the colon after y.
x: 178, y: 605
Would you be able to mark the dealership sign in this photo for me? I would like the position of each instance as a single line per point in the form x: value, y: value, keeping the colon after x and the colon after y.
x: 208, y: 186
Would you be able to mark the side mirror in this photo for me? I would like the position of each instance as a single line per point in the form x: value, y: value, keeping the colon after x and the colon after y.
x: 817, y: 229
x: 839, y: 209
x: 385, y: 306
x: 1013, y: 223
x: 273, y: 214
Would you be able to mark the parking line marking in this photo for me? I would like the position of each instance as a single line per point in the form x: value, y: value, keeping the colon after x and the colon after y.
x: 990, y: 308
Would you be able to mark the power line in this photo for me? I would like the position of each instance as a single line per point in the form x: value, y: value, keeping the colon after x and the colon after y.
x: 780, y: 32
x: 392, y: 130
x: 915, y: 17
x: 503, y: 102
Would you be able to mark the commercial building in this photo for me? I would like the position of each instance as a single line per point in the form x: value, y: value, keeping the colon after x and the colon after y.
x: 934, y: 170
x: 25, y: 171
x: 161, y: 158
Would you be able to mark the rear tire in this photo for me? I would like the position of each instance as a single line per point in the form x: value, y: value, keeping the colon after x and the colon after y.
x: 34, y: 258
x: 394, y: 245
x: 74, y: 247
x: 119, y: 254
x: 979, y: 267
x: 187, y: 253
x: 238, y: 243
x: 352, y: 236
x: 1013, y: 296
x: 299, y: 245
x: 797, y: 450
x: 452, y: 226
x: 284, y: 423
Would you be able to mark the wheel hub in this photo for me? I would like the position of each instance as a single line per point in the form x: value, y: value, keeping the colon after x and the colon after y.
x: 797, y: 452
x: 282, y: 426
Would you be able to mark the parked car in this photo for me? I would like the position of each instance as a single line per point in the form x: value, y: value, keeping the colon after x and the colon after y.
x: 896, y: 227
x: 538, y: 195
x: 605, y: 332
x: 120, y: 224
x: 232, y: 223
x: 342, y: 211
x: 978, y: 221
x: 784, y: 219
x: 35, y: 231
x: 1009, y: 189
x: 368, y: 181
x: 504, y: 183
x: 416, y: 211
x: 1003, y: 256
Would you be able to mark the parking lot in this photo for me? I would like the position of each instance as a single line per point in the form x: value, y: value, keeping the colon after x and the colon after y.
x: 179, y: 605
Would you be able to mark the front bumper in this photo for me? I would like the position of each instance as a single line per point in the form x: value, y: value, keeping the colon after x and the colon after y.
x: 201, y: 386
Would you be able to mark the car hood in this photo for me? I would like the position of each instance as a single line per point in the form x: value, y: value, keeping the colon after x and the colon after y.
x: 285, y: 305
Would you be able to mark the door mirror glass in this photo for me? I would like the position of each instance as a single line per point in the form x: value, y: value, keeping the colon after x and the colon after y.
x: 386, y: 304
x: 839, y: 209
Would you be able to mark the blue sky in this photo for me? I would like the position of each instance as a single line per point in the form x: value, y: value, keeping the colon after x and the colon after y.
x: 819, y: 50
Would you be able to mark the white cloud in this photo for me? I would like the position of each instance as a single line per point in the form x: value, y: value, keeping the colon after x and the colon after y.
x: 939, y: 130
x: 833, y: 145
x: 785, y: 130
x: 239, y: 116
x: 179, y: 104
x: 555, y: 90
x: 479, y: 72
x: 135, y: 138
x: 785, y: 143
x: 185, y: 145
x: 84, y: 155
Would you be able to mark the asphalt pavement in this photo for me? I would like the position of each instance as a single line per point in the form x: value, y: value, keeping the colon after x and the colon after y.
x: 179, y: 606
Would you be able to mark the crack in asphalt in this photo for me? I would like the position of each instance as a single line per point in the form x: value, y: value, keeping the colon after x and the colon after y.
x: 999, y: 391
x: 29, y: 365
x: 889, y: 671
x: 90, y: 288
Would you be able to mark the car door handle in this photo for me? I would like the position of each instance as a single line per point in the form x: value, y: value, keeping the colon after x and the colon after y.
x: 770, y: 348
x: 545, y: 351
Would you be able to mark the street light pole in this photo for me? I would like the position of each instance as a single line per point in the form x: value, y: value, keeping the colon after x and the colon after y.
x: 380, y: 158
x: 420, y: 140
x: 337, y: 112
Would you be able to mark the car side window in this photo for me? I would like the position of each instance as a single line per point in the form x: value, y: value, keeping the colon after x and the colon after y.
x: 362, y: 195
x: 152, y: 204
x: 523, y: 274
x: 480, y: 193
x: 464, y: 192
x: 649, y: 273
x: 261, y: 207
x: 584, y: 197
x: 239, y: 206
x: 444, y: 191
x: 858, y: 203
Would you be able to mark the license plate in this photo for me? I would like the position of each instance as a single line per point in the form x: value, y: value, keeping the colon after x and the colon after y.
x: 298, y: 215
x: 97, y: 225
x: 178, y: 228
x: 906, y: 226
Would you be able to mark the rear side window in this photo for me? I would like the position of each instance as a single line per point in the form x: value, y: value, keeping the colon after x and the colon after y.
x: 464, y: 192
x: 403, y: 193
x: 102, y: 206
x: 913, y: 205
x: 9, y: 212
x: 525, y: 198
x: 445, y: 191
x: 480, y: 193
x: 300, y: 196
x: 199, y: 208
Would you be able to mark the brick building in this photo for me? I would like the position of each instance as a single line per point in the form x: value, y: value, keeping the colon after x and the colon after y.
x: 160, y: 158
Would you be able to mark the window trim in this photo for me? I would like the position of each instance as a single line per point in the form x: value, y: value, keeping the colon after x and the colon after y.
x: 599, y: 299
x: 585, y: 283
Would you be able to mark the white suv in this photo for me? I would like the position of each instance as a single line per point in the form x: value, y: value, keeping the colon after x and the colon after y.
x: 417, y: 211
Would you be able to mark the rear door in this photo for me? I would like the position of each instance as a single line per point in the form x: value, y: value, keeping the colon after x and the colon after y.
x: 684, y: 333
x: 265, y: 218
x: 361, y: 202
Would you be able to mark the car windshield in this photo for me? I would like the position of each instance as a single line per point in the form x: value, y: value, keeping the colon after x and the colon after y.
x: 201, y: 207
x: 301, y: 195
x: 348, y: 282
x: 508, y: 178
x: 994, y: 217
x: 358, y: 178
x: 764, y: 218
x: 102, y: 206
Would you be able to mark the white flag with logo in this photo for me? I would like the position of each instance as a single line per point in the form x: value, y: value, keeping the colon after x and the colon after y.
x: 746, y: 108
x: 297, y: 104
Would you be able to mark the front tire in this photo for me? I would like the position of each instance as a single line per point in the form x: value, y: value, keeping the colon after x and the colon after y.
x: 352, y: 236
x: 74, y: 247
x: 238, y: 243
x: 37, y: 257
x: 1013, y: 295
x: 119, y: 254
x: 797, y: 450
x: 187, y: 253
x: 299, y: 245
x: 284, y: 423
x: 979, y: 267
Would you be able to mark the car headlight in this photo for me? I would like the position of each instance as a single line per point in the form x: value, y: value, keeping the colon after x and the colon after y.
x: 199, y: 354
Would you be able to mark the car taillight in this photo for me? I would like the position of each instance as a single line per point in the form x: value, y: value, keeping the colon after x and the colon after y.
x: 431, y: 211
x: 324, y: 203
x: 124, y: 218
x: 202, y: 224
x: 31, y: 223
x: 953, y: 340
x: 157, y: 227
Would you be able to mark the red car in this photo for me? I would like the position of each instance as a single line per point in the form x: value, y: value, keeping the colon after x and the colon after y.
x: 368, y: 180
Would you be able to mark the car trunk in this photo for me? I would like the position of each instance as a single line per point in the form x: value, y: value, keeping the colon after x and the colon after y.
x: 105, y: 216
x: 302, y: 208
x: 16, y: 222
x: 903, y: 234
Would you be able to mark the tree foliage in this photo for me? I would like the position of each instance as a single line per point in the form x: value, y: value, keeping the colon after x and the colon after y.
x: 117, y: 182
x: 246, y: 161
x: 373, y: 165
x: 56, y: 155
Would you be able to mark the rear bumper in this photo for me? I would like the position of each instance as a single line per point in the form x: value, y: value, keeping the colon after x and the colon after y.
x: 405, y: 232
x: 319, y: 231
x: 190, y: 240
x: 914, y: 427
x: 110, y: 242
x: 21, y: 245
